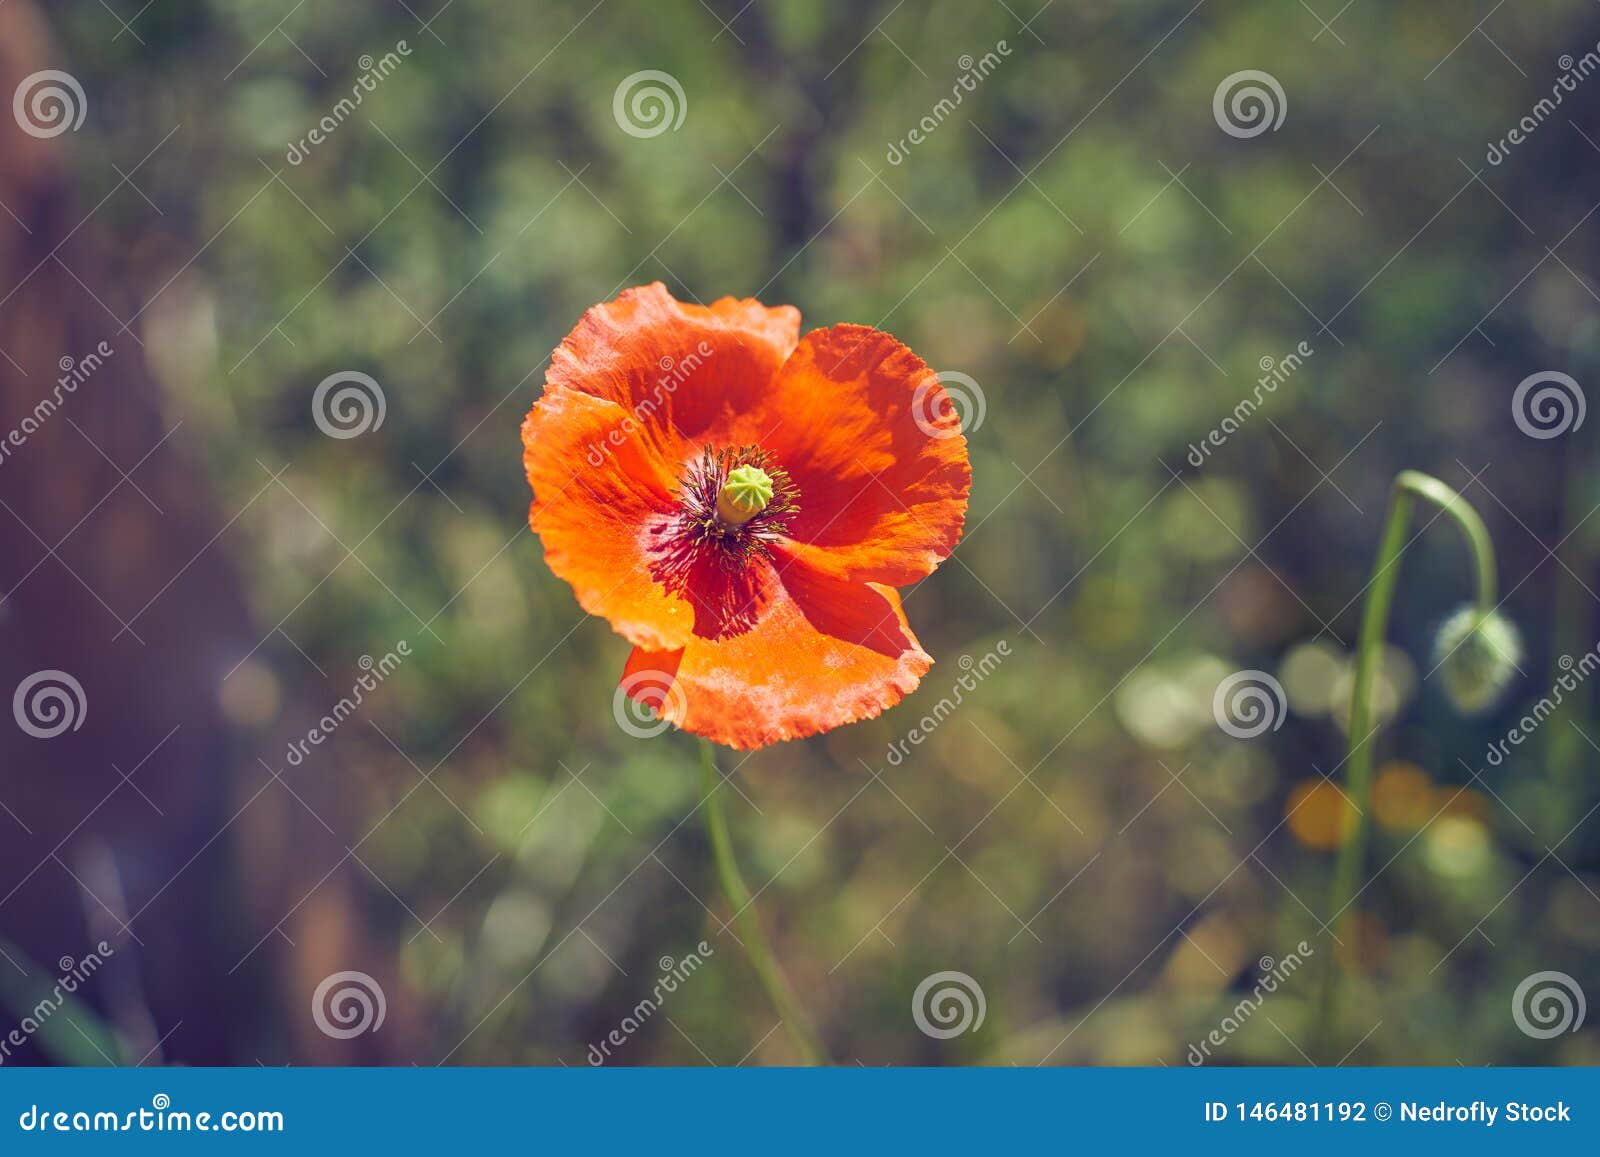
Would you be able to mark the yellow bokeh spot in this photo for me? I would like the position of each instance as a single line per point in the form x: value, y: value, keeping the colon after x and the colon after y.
x: 1458, y: 846
x: 1403, y: 797
x: 1319, y: 815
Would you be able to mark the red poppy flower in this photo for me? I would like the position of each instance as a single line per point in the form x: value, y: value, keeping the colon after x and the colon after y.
x: 741, y: 503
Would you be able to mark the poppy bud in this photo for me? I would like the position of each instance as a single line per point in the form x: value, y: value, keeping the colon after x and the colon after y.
x: 1477, y: 653
x: 746, y: 494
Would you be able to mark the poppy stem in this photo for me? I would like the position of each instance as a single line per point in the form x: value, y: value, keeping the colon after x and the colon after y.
x: 1409, y: 486
x: 756, y: 949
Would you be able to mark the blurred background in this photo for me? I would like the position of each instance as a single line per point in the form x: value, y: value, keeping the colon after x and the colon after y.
x: 1112, y: 250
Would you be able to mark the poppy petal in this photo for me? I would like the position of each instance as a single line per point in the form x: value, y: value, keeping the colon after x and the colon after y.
x: 825, y: 653
x: 601, y: 494
x: 875, y: 448
x: 691, y: 374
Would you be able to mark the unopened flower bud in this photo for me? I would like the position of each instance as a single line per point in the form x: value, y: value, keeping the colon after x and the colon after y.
x: 1477, y: 653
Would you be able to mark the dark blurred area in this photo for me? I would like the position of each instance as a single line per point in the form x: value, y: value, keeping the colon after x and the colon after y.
x: 216, y: 558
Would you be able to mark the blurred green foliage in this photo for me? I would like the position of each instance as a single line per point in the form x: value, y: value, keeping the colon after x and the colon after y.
x: 1078, y: 236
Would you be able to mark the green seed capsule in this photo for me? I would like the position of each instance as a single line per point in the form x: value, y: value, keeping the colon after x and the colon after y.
x: 1477, y: 654
x: 746, y: 494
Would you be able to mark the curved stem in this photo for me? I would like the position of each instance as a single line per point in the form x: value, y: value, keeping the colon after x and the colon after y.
x: 1409, y: 486
x: 1459, y: 509
x: 756, y: 949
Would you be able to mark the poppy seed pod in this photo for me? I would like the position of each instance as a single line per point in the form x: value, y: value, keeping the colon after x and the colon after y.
x: 746, y: 493
x: 1477, y: 653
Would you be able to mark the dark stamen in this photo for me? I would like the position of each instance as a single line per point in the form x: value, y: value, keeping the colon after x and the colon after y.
x: 707, y: 561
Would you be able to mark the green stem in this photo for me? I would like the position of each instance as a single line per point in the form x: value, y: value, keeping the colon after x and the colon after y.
x: 1409, y: 486
x: 756, y: 949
